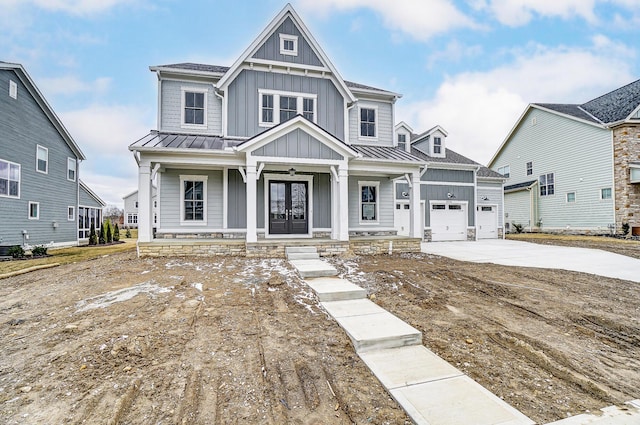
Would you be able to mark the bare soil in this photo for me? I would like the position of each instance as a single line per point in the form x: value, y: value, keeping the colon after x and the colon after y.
x: 235, y: 341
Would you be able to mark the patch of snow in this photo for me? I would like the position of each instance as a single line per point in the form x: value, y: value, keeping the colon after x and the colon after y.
x: 105, y: 300
x: 198, y: 286
x: 145, y: 272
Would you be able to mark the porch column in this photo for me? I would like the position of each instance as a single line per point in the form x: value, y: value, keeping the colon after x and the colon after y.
x: 145, y: 223
x: 335, y: 207
x: 252, y: 185
x: 417, y: 220
x: 343, y: 214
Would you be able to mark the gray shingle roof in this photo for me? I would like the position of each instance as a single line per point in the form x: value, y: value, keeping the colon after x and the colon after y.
x: 183, y: 141
x: 451, y: 157
x: 616, y: 105
x: 519, y: 185
x: 569, y: 109
x: 488, y: 172
x: 385, y: 153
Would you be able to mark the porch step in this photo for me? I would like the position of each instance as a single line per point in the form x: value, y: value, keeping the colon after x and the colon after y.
x: 300, y: 250
x: 335, y: 289
x: 303, y: 256
x: 313, y: 268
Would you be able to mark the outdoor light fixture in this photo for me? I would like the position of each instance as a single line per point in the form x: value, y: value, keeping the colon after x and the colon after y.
x: 292, y: 171
x: 451, y: 195
x: 485, y: 198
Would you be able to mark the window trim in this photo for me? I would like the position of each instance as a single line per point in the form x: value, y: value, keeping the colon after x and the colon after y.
x: 508, y: 169
x: 602, y: 198
x: 132, y: 218
x: 362, y: 184
x: 183, y: 91
x: 404, y: 142
x: 75, y: 168
x: 71, y: 213
x: 83, y: 232
x: 9, y: 164
x: 288, y: 37
x: 37, y: 216
x: 276, y: 105
x: 575, y: 197
x: 375, y: 122
x: 194, y: 178
x: 529, y: 168
x: 440, y: 145
x: 13, y: 89
x: 46, y: 150
x: 546, y: 185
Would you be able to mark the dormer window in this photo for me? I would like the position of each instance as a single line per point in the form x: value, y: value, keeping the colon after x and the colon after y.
x: 194, y: 107
x: 368, y: 122
x: 288, y: 45
x: 402, y: 141
x: 437, y: 145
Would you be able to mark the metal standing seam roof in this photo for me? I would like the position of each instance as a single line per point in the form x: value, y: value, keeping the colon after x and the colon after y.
x: 385, y: 153
x: 183, y: 141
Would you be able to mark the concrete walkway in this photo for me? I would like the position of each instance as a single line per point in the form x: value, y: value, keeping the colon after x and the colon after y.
x: 525, y: 254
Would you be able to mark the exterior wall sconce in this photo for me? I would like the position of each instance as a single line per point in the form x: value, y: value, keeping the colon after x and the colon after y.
x: 451, y: 195
x: 292, y: 171
x: 485, y: 198
x: 54, y: 224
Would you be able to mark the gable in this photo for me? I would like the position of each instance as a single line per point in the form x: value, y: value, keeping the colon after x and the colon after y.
x: 270, y: 49
x: 297, y: 144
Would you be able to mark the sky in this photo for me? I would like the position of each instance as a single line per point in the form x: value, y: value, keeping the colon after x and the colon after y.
x: 470, y: 66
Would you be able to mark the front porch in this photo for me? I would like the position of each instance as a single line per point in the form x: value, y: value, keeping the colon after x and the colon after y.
x: 275, y: 248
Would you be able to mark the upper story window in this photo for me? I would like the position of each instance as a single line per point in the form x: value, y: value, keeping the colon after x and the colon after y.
x: 547, y: 184
x: 193, y: 191
x: 605, y: 193
x: 42, y: 159
x: 9, y: 179
x: 71, y: 213
x: 13, y: 89
x: 194, y: 107
x: 437, y: 145
x: 288, y: 44
x: 368, y: 122
x: 71, y: 169
x: 276, y: 107
x: 529, y: 168
x: 505, y: 171
x: 402, y: 141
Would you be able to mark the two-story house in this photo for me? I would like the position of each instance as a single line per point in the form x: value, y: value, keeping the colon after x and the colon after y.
x: 42, y: 199
x: 279, y: 147
x: 131, y: 208
x: 575, y: 168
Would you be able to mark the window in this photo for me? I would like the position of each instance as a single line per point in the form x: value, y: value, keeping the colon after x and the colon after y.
x: 605, y: 193
x: 505, y: 171
x: 438, y: 207
x: 34, y: 210
x: 71, y: 169
x: 71, y: 213
x: 194, y: 109
x: 42, y: 159
x: 369, y: 202
x: 547, y: 185
x: 155, y: 204
x: 194, y: 204
x: 276, y: 107
x: 86, y: 217
x: 571, y: 197
x: 288, y: 45
x: 136, y: 204
x: 529, y: 168
x: 402, y: 141
x: 437, y: 145
x: 634, y: 174
x: 132, y: 218
x: 288, y: 108
x: 9, y: 179
x: 455, y: 207
x: 367, y: 122
x: 13, y: 89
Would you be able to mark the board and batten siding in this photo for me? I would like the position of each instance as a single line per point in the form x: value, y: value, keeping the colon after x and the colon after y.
x: 580, y: 157
x: 449, y: 176
x: 297, y: 144
x: 243, y: 101
x: 270, y: 50
x: 385, y: 203
x: 384, y: 123
x: 172, y: 203
x: 236, y: 201
x: 171, y: 107
x: 439, y: 193
x: 23, y: 126
x: 493, y: 194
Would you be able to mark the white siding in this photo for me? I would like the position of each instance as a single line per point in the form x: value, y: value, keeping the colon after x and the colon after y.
x: 384, y: 123
x: 493, y: 192
x: 171, y: 112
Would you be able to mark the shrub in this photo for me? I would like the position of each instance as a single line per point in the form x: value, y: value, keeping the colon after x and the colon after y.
x: 625, y: 229
x: 518, y: 227
x: 101, y: 237
x: 116, y: 233
x: 93, y: 238
x: 16, y: 251
x: 128, y: 233
x: 39, y: 251
x: 108, y: 233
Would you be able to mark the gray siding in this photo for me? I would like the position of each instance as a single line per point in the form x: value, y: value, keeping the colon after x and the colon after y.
x: 450, y: 176
x: 86, y: 200
x: 23, y: 125
x: 243, y: 101
x: 171, y: 203
x: 439, y: 193
x: 517, y: 206
x: 386, y: 202
x: 580, y: 157
x: 321, y: 201
x: 270, y: 50
x: 237, y: 201
x: 384, y: 123
x: 298, y: 144
x: 494, y: 194
x: 171, y: 107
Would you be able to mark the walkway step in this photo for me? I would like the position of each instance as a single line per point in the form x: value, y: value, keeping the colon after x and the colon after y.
x: 314, y: 268
x: 335, y: 289
x: 612, y: 415
x: 300, y: 249
x: 303, y: 256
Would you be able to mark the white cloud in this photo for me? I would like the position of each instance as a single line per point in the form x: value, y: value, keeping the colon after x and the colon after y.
x: 74, y: 7
x: 70, y: 85
x: 454, y: 52
x: 520, y: 12
x: 421, y: 19
x: 478, y: 109
x: 110, y: 188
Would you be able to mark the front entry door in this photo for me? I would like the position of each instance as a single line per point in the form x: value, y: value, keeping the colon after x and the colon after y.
x: 288, y: 211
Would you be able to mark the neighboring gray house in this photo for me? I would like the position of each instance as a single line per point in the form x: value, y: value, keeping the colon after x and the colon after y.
x: 575, y: 168
x: 40, y: 191
x: 279, y: 149
x: 131, y: 208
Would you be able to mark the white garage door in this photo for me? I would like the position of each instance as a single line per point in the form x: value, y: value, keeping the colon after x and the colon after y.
x: 487, y: 222
x: 448, y: 222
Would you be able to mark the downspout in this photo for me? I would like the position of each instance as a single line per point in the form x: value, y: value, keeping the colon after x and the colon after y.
x: 475, y: 201
x: 613, y: 181
x: 224, y: 113
x: 78, y: 161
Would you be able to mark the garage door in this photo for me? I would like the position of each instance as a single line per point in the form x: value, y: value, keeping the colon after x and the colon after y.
x: 448, y: 222
x: 487, y: 222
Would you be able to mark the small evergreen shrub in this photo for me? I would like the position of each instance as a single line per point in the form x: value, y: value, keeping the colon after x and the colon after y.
x: 625, y: 229
x: 518, y: 227
x: 127, y: 234
x: 93, y: 238
x: 16, y: 251
x: 108, y: 232
x: 101, y: 237
x: 116, y: 233
x: 39, y: 251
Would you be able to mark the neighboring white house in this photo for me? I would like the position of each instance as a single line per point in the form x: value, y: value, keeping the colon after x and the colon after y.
x: 131, y: 208
x: 575, y: 168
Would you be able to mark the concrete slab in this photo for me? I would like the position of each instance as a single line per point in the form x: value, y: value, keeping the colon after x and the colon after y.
x: 525, y: 254
x: 303, y: 256
x: 349, y: 308
x: 299, y: 249
x: 335, y: 289
x: 314, y: 268
x: 611, y: 415
x: 399, y: 367
x: 454, y: 401
x: 379, y: 331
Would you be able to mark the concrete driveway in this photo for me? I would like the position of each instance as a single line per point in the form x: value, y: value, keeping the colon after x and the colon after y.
x: 525, y: 254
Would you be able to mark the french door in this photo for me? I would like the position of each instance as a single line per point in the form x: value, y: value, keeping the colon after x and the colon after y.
x: 288, y: 208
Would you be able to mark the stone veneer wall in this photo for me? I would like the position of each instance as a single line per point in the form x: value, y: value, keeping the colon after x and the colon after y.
x: 626, y: 149
x: 471, y: 234
x: 381, y: 246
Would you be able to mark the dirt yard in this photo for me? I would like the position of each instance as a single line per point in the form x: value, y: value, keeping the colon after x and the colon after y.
x: 236, y: 341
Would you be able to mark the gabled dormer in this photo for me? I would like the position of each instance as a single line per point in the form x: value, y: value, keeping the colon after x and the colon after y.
x: 403, y: 136
x: 431, y: 142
